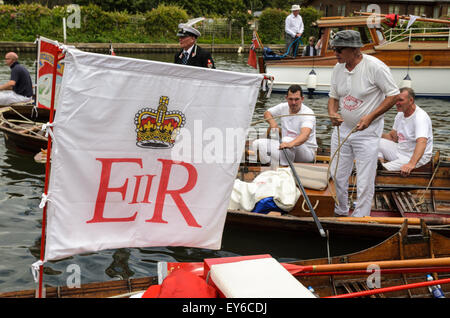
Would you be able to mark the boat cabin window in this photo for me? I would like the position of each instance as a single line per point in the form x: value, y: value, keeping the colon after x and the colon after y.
x: 380, y: 36
x: 333, y: 31
x: 366, y: 38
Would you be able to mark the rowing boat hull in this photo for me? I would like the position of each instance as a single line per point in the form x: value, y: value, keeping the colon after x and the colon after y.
x: 393, y: 201
x: 23, y: 137
x: 401, y: 246
x: 286, y: 75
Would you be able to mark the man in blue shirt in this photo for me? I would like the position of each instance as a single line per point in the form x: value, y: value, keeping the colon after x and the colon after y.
x: 19, y: 89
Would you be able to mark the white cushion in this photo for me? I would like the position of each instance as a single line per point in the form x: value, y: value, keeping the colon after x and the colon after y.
x: 258, y: 278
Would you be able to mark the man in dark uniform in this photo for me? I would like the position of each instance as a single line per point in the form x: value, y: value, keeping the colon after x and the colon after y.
x: 19, y: 89
x: 191, y: 53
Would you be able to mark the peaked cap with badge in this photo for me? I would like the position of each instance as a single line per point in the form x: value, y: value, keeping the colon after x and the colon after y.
x: 198, y: 56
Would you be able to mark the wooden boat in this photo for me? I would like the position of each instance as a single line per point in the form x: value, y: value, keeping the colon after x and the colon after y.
x: 401, y: 248
x: 21, y: 127
x: 417, y: 53
x: 395, y: 198
x: 395, y: 195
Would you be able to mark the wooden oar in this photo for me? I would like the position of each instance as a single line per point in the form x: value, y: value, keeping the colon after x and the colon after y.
x: 308, y: 202
x: 407, y: 270
x: 391, y: 220
x: 409, y: 263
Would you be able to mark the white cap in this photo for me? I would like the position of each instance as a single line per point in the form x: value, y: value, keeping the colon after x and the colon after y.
x: 186, y: 30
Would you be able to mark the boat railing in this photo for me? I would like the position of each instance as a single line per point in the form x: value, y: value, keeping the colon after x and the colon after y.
x: 399, y: 35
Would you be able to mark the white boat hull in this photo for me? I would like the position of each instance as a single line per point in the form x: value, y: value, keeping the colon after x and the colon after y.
x: 426, y: 82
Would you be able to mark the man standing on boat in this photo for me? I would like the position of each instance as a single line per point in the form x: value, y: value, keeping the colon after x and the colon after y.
x: 293, y: 29
x: 409, y: 144
x: 298, y: 131
x: 19, y: 89
x: 362, y: 90
x: 191, y: 53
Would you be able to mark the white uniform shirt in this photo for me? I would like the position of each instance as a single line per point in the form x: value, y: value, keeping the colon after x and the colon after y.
x: 362, y: 90
x: 291, y: 125
x: 293, y: 24
x: 409, y: 129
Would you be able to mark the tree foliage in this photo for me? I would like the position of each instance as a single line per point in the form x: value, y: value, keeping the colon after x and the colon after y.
x: 163, y: 21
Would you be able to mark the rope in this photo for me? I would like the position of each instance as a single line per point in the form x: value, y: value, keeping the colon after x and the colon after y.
x: 29, y: 130
x: 289, y: 47
x: 280, y: 116
x: 20, y: 115
x: 308, y: 210
x: 422, y: 197
x: 338, y: 152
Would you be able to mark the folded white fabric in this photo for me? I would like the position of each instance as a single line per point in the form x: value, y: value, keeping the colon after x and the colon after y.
x: 279, y: 184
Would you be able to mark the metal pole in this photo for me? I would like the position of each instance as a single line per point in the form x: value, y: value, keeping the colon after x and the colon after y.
x: 297, y: 179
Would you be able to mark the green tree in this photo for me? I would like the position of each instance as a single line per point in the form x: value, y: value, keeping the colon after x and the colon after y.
x: 271, y: 25
x: 309, y: 16
x: 163, y: 21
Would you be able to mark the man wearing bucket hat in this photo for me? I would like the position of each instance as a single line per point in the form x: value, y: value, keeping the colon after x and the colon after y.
x: 191, y: 53
x: 293, y: 29
x: 362, y: 90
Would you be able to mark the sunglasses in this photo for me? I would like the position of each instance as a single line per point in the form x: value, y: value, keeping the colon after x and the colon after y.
x: 339, y: 49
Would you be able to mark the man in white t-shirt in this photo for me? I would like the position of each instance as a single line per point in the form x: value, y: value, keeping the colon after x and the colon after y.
x: 298, y: 131
x: 293, y: 27
x: 409, y: 144
x: 362, y: 90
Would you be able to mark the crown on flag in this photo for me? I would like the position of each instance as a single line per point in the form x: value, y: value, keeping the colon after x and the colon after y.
x: 158, y: 128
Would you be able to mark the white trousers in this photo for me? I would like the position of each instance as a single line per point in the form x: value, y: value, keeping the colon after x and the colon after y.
x: 269, y: 152
x: 10, y: 97
x: 389, y: 152
x: 361, y: 147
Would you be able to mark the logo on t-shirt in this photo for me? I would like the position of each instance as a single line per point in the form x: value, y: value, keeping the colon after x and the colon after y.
x: 351, y: 103
x: 401, y: 137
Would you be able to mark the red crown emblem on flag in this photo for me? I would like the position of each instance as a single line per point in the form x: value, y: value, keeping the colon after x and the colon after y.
x: 158, y: 128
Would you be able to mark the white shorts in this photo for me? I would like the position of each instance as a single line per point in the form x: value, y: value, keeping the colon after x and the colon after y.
x: 10, y: 97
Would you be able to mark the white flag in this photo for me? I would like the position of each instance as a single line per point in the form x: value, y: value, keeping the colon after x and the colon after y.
x: 143, y: 153
x: 412, y: 19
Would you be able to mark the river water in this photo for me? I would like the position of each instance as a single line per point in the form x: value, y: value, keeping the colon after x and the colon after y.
x: 22, y: 183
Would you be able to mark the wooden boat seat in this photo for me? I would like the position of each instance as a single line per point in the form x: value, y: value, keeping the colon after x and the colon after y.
x: 428, y: 167
x: 404, y: 201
